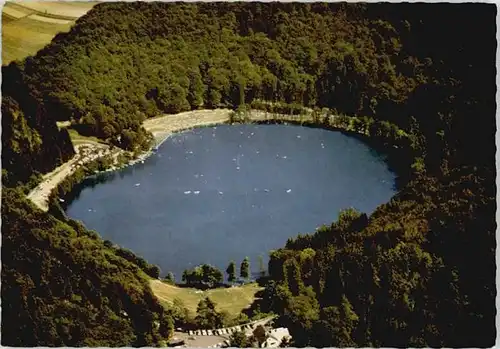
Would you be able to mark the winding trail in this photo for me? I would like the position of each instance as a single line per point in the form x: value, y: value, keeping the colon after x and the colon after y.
x: 40, y: 194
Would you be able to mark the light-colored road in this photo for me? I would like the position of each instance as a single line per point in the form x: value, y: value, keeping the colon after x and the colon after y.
x: 40, y: 195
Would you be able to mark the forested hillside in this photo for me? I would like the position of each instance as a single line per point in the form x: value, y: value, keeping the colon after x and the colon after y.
x: 31, y: 141
x: 61, y: 286
x: 418, y: 272
x: 124, y: 62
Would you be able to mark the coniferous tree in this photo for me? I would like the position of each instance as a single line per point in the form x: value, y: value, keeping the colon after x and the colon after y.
x: 207, y: 317
x: 239, y: 339
x: 231, y: 272
x: 245, y: 268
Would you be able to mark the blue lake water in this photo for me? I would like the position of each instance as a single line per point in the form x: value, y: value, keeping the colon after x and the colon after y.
x: 217, y: 194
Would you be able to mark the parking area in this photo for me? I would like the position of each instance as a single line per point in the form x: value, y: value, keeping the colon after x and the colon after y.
x: 198, y: 341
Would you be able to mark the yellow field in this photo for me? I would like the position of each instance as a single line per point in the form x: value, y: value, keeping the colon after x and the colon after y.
x: 233, y: 300
x: 27, y: 26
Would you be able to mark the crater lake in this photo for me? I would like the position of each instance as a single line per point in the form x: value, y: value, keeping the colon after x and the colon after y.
x: 216, y: 194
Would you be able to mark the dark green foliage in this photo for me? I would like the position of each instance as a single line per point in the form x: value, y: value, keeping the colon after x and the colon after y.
x: 398, y: 278
x: 416, y: 78
x: 260, y: 335
x: 203, y: 276
x: 31, y: 141
x: 238, y: 339
x: 245, y: 268
x: 353, y: 58
x: 169, y: 278
x: 166, y: 327
x: 70, y: 187
x: 61, y: 286
x: 279, y: 108
x: 149, y: 269
x: 262, y: 268
x: 126, y: 67
x: 231, y: 272
x: 180, y: 314
x: 207, y: 316
x: 286, y: 342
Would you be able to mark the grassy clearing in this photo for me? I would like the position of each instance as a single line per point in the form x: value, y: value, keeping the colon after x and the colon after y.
x: 77, y: 138
x: 233, y: 300
x: 27, y: 26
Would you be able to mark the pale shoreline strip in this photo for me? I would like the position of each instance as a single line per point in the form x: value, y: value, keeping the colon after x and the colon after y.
x: 161, y: 127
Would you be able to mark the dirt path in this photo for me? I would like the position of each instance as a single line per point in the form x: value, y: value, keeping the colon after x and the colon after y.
x: 84, y: 152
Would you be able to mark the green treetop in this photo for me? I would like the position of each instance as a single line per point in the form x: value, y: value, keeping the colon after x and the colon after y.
x: 231, y: 272
x: 245, y: 268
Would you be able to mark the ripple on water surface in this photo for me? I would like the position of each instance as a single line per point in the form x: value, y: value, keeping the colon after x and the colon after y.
x: 217, y: 194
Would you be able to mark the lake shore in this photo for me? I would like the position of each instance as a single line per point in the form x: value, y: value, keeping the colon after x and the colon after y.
x: 162, y: 127
x: 85, y: 153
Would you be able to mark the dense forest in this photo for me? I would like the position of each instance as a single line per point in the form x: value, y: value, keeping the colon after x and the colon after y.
x: 62, y: 286
x: 31, y: 142
x: 186, y: 56
x: 354, y: 58
x: 420, y: 271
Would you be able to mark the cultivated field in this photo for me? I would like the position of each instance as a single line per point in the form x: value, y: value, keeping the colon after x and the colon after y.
x: 27, y: 26
x: 233, y: 300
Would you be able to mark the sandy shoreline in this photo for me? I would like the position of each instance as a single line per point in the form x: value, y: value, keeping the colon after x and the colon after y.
x: 164, y: 126
x: 40, y: 195
x: 161, y: 127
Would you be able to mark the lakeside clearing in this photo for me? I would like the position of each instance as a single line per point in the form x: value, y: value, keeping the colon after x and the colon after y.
x: 233, y: 299
x: 164, y: 126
